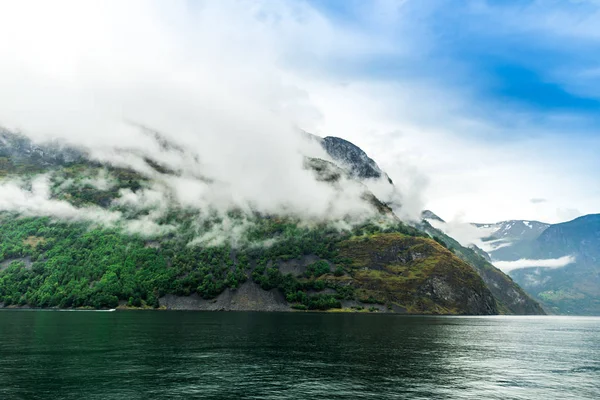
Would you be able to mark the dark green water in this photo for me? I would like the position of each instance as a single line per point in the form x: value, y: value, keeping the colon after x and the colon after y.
x: 183, y: 355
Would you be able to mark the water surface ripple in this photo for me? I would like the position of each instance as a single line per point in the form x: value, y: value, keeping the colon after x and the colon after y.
x: 185, y: 355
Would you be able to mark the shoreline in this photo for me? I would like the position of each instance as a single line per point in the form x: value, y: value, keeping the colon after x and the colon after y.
x: 330, y: 311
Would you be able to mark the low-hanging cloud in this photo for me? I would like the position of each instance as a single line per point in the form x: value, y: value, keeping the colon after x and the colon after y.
x: 33, y: 199
x: 466, y: 233
x: 36, y: 201
x: 551, y: 263
x: 218, y: 94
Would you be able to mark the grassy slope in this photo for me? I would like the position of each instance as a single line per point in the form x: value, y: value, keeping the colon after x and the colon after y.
x: 397, y: 269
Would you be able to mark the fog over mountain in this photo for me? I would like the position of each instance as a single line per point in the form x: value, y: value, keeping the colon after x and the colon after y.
x: 231, y: 116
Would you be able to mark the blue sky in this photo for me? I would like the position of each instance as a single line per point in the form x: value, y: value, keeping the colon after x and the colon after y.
x: 527, y: 71
x: 489, y: 50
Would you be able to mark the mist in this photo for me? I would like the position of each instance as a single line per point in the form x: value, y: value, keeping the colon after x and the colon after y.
x: 466, y: 233
x: 101, y: 75
x: 552, y: 263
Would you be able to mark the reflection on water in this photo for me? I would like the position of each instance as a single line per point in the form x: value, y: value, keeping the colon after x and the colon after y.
x: 172, y: 355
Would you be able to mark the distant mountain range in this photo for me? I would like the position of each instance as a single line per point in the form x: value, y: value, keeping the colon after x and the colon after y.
x: 514, y: 230
x: 509, y: 296
x: 558, y: 264
x: 570, y: 289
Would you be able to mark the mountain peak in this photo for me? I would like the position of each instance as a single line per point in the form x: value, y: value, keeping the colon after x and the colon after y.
x: 428, y: 214
x: 515, y: 229
x: 352, y: 156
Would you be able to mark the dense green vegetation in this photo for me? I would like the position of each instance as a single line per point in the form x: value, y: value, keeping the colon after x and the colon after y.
x: 45, y: 263
x: 73, y: 184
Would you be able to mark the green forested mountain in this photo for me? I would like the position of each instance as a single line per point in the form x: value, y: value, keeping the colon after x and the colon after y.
x: 75, y: 232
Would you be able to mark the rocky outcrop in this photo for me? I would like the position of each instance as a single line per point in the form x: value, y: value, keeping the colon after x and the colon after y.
x: 509, y: 296
x: 441, y: 290
x: 415, y: 274
x: 352, y: 157
x: 248, y: 297
x: 18, y: 151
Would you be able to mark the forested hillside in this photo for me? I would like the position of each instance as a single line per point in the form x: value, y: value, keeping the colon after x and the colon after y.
x: 75, y: 232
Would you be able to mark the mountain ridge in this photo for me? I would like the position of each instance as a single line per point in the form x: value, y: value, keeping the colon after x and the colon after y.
x: 575, y: 287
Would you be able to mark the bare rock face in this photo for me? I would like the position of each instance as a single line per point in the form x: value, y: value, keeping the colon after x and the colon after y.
x: 20, y: 150
x: 297, y: 267
x: 473, y: 301
x: 248, y: 297
x: 351, y: 156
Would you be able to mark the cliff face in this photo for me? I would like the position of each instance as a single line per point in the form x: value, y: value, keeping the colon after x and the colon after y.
x: 352, y: 157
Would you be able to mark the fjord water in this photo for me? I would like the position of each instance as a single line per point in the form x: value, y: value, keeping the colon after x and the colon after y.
x: 183, y: 355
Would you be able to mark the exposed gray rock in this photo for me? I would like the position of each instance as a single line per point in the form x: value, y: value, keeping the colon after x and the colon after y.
x: 443, y: 292
x: 248, y: 297
x: 20, y: 149
x: 297, y: 266
x: 352, y: 157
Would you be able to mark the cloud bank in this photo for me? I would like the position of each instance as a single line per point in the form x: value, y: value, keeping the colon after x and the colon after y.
x: 33, y: 199
x: 206, y: 75
x: 552, y: 263
x: 468, y: 234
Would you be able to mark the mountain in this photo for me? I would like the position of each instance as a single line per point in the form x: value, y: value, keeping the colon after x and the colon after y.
x: 509, y: 240
x: 575, y: 287
x: 83, y: 231
x: 430, y: 215
x: 510, y: 297
x: 352, y: 157
x: 515, y: 229
x: 20, y: 155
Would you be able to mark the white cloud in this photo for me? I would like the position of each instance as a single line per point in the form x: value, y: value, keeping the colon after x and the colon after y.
x: 101, y: 181
x: 37, y: 202
x: 33, y: 199
x: 538, y: 200
x: 552, y: 263
x: 465, y: 233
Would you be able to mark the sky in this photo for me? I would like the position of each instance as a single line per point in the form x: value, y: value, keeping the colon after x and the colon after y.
x: 494, y: 103
x: 478, y: 110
